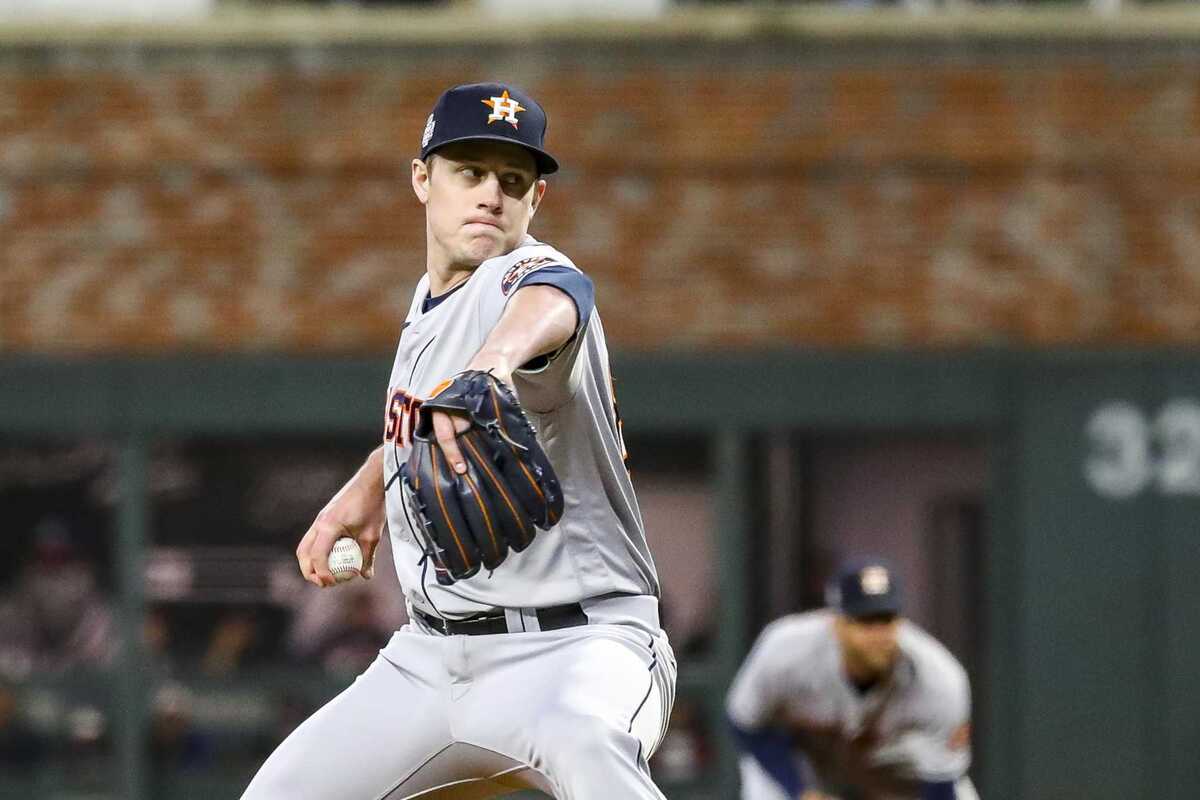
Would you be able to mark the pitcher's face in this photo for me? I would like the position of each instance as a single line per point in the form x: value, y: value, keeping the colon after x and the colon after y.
x: 479, y: 199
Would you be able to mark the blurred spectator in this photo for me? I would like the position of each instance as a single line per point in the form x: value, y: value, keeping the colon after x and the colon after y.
x: 383, y: 2
x: 322, y: 614
x: 87, y: 746
x: 351, y: 644
x: 685, y: 751
x: 292, y: 708
x: 56, y: 618
x: 232, y: 644
x: 175, y: 742
x: 156, y: 636
x: 21, y: 749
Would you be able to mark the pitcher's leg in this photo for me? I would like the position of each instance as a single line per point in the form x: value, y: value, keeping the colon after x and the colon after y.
x: 365, y: 741
x: 584, y: 707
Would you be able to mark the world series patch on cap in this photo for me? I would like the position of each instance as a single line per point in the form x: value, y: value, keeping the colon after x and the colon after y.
x: 493, y: 111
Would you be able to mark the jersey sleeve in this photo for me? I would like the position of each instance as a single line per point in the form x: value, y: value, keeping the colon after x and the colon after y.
x: 755, y: 694
x: 573, y: 283
x: 548, y: 380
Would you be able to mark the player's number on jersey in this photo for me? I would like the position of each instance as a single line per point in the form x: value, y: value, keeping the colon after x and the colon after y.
x: 1131, y: 452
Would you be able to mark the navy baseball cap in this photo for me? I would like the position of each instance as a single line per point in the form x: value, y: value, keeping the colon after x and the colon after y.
x: 495, y: 111
x: 865, y: 588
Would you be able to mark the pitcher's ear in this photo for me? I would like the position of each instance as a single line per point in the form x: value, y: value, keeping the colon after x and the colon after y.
x: 421, y: 175
x: 539, y: 191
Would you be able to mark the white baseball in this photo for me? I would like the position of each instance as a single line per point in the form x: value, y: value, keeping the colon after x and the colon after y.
x: 345, y: 557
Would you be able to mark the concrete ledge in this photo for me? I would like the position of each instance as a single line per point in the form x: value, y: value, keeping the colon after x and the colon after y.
x: 462, y: 23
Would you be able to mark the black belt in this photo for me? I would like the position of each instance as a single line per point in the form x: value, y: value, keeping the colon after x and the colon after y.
x: 549, y: 619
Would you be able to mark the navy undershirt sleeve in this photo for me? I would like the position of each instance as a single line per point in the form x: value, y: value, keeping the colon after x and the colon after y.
x: 942, y: 790
x: 775, y: 751
x: 577, y: 286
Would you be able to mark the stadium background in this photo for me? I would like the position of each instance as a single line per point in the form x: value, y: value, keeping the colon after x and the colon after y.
x: 918, y: 280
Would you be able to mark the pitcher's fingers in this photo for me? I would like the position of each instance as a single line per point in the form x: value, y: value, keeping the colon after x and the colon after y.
x: 444, y: 429
x: 303, y: 554
x: 369, y: 542
x: 326, y: 535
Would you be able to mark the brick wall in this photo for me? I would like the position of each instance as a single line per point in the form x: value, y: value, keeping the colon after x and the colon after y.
x: 762, y: 193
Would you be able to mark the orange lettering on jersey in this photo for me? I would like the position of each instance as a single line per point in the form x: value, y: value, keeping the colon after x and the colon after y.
x: 391, y: 419
x: 400, y: 417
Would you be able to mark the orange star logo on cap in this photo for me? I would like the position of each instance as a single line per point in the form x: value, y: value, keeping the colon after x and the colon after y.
x: 503, y: 108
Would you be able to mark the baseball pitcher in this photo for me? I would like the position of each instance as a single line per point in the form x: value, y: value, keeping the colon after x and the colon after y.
x: 534, y: 657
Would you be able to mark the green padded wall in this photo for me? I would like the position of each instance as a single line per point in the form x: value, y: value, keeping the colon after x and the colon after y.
x: 1108, y: 495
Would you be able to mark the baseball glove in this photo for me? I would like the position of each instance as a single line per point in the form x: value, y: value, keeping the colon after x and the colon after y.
x: 473, y: 520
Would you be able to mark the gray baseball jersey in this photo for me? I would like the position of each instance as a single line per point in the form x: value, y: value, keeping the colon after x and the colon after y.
x: 576, y: 711
x: 599, y: 547
x: 879, y: 744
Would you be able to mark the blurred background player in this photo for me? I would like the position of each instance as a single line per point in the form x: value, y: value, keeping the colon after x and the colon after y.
x: 852, y: 702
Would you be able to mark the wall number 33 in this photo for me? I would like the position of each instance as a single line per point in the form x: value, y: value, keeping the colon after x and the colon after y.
x: 1130, y: 452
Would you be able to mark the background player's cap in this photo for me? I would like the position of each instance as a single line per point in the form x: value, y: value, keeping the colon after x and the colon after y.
x: 865, y: 588
x: 495, y: 111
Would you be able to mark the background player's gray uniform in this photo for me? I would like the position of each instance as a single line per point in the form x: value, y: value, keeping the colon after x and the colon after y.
x: 575, y: 711
x: 877, y: 746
